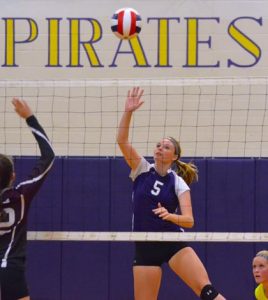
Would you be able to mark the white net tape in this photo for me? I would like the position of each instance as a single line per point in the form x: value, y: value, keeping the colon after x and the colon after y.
x: 137, y: 82
x: 148, y: 236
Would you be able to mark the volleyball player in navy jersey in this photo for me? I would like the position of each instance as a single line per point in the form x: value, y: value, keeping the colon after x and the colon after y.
x: 161, y: 202
x: 14, y: 207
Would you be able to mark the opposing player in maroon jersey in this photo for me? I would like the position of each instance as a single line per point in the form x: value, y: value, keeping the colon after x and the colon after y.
x: 14, y: 207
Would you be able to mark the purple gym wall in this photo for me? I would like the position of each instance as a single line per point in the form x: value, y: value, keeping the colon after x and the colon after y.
x: 94, y: 194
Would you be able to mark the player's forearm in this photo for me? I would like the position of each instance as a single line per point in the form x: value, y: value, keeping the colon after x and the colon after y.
x: 123, y: 129
x: 47, y: 153
x: 181, y: 220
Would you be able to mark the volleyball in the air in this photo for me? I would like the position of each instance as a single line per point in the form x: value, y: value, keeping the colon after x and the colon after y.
x: 126, y: 23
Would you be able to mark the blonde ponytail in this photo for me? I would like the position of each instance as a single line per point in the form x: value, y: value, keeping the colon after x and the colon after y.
x: 188, y: 171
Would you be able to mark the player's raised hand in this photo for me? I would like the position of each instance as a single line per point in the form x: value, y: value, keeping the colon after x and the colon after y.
x: 133, y: 100
x: 21, y: 108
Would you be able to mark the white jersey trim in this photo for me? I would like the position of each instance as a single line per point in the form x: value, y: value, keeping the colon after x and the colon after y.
x: 35, y: 179
x: 41, y: 135
x: 144, y: 166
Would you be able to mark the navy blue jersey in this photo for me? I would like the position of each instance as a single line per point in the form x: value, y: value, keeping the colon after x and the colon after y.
x: 16, y: 202
x: 150, y: 188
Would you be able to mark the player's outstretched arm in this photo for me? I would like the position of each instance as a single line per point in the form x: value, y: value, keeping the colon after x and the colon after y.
x: 30, y: 187
x: 133, y: 102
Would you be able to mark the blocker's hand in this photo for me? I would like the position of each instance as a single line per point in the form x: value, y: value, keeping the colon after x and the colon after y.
x: 22, y: 108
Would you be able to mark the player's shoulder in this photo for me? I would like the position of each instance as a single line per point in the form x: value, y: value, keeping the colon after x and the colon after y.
x: 143, y: 167
x: 259, y: 292
x: 11, y: 192
x: 180, y: 185
x: 175, y: 176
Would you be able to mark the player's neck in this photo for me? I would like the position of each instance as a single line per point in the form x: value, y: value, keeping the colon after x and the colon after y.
x: 161, y: 169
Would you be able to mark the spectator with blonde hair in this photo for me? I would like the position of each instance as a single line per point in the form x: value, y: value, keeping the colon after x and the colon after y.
x: 260, y: 273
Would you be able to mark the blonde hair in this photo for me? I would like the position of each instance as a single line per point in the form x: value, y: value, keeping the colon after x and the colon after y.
x: 263, y: 253
x: 188, y: 171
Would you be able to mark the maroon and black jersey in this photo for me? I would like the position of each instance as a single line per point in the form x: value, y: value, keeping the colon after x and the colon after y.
x: 16, y: 202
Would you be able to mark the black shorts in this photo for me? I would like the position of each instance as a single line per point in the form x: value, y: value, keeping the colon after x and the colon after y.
x: 13, y: 284
x: 155, y: 253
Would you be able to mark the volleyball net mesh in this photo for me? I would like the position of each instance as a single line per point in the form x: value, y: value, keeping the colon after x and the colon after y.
x: 210, y: 117
x: 223, y: 118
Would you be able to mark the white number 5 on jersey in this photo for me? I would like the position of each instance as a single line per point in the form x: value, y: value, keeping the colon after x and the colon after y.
x: 156, y: 189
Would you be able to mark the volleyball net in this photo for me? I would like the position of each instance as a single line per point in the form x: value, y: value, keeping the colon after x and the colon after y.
x: 212, y: 118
